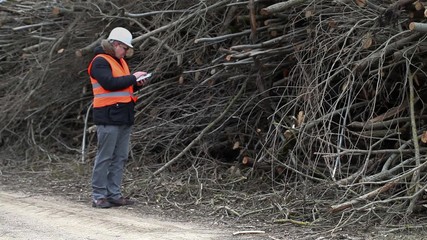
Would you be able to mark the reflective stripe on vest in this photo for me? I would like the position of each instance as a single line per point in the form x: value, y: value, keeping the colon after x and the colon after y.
x: 103, y: 97
x: 113, y: 94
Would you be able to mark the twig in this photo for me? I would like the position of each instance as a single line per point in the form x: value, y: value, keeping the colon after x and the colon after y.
x: 228, y: 209
x: 227, y: 36
x: 248, y: 232
x: 416, y: 175
x: 84, y: 134
x: 287, y: 220
x: 36, y: 25
x: 146, y: 14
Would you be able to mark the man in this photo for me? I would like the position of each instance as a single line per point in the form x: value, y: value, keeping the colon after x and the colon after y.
x: 113, y: 113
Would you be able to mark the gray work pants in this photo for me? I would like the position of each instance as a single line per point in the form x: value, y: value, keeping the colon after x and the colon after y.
x: 111, y: 156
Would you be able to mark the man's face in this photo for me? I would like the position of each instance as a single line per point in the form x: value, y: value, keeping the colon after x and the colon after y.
x: 120, y: 49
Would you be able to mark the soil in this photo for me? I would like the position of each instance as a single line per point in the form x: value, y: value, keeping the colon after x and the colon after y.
x: 27, y: 216
x: 32, y: 206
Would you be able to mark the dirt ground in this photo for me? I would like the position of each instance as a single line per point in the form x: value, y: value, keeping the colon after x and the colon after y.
x: 27, y: 216
x: 31, y: 208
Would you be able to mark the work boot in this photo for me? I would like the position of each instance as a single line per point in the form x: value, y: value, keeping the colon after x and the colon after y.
x: 101, y: 203
x: 121, y: 202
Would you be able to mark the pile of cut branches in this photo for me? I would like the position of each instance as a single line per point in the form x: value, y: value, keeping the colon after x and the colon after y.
x: 295, y: 93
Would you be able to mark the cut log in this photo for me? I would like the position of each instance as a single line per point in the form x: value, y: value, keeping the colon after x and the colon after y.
x: 361, y: 3
x: 419, y: 6
x: 279, y: 7
x: 367, y: 41
x: 417, y: 26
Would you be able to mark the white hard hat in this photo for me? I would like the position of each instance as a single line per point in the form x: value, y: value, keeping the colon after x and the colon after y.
x: 121, y: 34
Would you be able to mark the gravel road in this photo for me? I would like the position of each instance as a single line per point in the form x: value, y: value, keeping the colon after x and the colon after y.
x: 23, y: 216
x: 32, y: 217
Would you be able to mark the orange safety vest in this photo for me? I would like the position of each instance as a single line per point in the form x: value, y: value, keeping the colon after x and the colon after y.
x: 101, y: 96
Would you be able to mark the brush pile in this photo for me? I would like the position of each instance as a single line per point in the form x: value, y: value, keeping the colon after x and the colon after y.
x: 292, y: 95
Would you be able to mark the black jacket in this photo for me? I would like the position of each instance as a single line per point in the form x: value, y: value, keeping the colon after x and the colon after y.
x: 117, y: 114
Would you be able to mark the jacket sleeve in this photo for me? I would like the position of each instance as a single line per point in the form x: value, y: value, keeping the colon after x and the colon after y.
x: 102, y: 72
x: 136, y: 88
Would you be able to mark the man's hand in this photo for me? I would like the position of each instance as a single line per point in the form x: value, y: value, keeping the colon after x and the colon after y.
x: 138, y: 75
